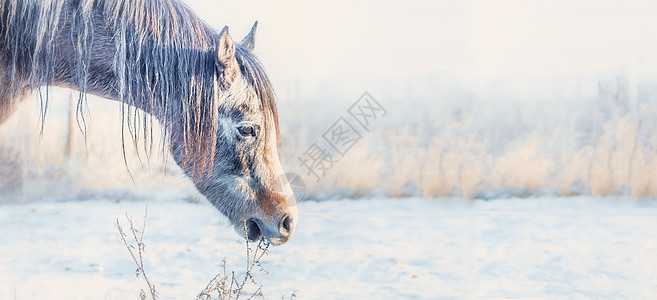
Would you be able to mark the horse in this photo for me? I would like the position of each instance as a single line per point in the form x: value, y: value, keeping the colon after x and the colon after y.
x: 211, y: 95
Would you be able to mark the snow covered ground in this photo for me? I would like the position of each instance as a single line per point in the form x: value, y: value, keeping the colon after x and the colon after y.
x: 580, y: 247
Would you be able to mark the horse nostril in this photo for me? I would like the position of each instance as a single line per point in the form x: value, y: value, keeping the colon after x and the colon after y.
x: 252, y: 229
x: 286, y: 225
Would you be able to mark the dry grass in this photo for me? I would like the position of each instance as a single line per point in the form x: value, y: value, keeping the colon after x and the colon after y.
x: 137, y: 252
x: 219, y: 287
x: 226, y: 285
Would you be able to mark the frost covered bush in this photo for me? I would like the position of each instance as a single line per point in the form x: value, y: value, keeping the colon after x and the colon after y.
x: 432, y: 145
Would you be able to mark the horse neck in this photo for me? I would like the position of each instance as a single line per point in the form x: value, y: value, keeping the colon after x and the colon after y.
x: 86, y: 63
x: 105, y: 57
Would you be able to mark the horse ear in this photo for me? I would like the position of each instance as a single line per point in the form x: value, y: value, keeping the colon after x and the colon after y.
x: 226, y: 55
x: 249, y: 40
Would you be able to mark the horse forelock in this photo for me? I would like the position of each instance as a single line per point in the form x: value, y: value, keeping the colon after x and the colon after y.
x: 255, y: 74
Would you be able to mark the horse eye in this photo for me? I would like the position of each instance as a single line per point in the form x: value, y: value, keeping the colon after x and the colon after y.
x: 247, y: 130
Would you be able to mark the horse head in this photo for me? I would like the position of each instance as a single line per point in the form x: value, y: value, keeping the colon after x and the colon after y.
x: 245, y: 179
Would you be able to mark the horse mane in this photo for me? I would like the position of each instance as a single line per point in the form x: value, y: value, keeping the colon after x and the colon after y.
x: 163, y: 61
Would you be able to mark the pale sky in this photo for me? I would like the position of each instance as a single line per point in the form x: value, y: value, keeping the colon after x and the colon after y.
x: 507, y: 45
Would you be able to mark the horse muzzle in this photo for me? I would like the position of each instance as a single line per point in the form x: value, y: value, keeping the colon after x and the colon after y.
x: 277, y: 232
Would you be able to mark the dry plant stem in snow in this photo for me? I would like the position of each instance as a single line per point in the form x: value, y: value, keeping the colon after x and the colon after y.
x: 219, y: 287
x: 219, y: 284
x: 137, y: 257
